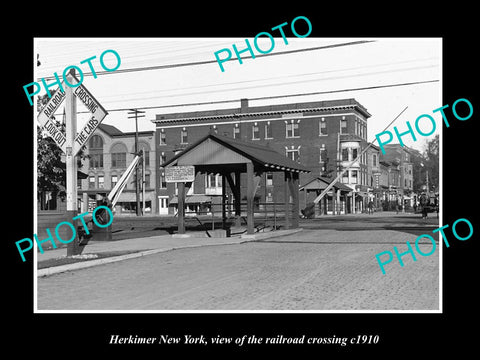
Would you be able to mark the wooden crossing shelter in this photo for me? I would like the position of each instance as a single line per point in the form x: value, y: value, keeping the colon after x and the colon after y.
x: 218, y: 154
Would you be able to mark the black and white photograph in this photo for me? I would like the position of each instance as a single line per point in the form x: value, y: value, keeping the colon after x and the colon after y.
x: 299, y: 181
x: 293, y: 181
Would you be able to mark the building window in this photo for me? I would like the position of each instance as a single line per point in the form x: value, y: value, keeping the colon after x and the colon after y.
x: 91, y: 182
x: 101, y: 182
x: 323, y: 155
x: 163, y: 183
x: 163, y: 138
x: 146, y: 153
x: 354, y: 176
x: 268, y: 131
x: 96, y: 152
x: 236, y: 132
x: 96, y: 160
x: 269, y: 179
x: 345, y: 154
x: 323, y: 127
x: 269, y: 197
x: 255, y: 132
x: 147, y: 181
x: 119, y: 160
x: 213, y: 181
x: 374, y: 159
x: 114, y: 180
x: 354, y: 153
x: 292, y: 130
x: 163, y: 159
x: 343, y: 126
x: 345, y: 177
x: 293, y: 154
x: 184, y: 136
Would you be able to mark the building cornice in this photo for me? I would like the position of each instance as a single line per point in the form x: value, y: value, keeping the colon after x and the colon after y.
x: 264, y: 114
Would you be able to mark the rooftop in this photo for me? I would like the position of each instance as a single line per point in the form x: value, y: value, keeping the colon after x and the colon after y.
x: 259, y: 154
x: 247, y: 111
x: 112, y: 131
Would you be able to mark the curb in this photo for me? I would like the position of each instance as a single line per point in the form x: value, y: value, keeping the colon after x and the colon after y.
x: 90, y: 263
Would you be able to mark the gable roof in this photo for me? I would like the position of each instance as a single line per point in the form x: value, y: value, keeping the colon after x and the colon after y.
x: 260, y: 154
x: 110, y: 129
x: 322, y: 183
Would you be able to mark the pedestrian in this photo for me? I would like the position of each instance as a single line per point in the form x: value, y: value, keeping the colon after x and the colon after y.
x: 424, y: 212
x: 370, y: 207
x: 423, y: 204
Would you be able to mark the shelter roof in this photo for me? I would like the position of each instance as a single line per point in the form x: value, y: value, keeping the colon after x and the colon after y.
x: 320, y: 183
x: 258, y: 154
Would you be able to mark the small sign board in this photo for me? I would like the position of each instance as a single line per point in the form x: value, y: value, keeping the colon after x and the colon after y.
x: 179, y: 173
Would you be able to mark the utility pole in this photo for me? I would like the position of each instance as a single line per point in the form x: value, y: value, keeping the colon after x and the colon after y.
x: 135, y: 116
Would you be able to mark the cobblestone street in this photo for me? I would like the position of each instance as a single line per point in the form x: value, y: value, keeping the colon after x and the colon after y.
x: 313, y: 270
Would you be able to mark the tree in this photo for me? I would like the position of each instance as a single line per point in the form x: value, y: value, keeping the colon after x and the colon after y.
x: 51, y: 170
x: 432, y: 162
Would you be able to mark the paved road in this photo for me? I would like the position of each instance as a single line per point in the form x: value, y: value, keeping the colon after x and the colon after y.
x: 316, y: 270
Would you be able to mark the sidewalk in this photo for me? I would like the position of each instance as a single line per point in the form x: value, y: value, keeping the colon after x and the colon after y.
x: 145, y: 246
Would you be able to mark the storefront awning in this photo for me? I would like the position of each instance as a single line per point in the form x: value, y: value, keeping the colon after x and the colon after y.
x: 193, y: 199
x: 131, y: 196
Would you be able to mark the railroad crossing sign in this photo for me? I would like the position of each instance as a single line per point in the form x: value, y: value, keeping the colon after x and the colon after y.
x: 98, y: 114
x: 92, y: 105
x: 44, y: 118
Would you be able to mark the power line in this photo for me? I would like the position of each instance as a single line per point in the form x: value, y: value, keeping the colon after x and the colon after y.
x: 276, y: 96
x: 194, y: 63
x: 279, y: 77
x: 284, y: 83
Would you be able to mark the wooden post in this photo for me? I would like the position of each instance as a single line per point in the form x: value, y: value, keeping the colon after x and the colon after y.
x: 235, y: 187
x: 71, y: 165
x: 250, y: 194
x: 338, y: 202
x: 224, y: 199
x: 238, y: 200
x: 287, y: 201
x: 181, y: 207
x: 295, y: 199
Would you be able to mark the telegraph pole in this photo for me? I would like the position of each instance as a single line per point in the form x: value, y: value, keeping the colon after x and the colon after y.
x: 135, y: 116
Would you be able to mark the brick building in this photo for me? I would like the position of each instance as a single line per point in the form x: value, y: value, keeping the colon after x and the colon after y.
x: 324, y: 136
x: 110, y: 152
x: 400, y: 157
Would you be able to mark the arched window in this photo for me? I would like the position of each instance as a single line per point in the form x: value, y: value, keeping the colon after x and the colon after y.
x: 119, y: 156
x: 96, y: 151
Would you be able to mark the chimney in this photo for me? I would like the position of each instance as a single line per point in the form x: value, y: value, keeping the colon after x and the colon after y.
x: 243, y: 105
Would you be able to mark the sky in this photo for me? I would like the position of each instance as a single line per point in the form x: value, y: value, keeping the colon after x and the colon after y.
x: 379, y: 62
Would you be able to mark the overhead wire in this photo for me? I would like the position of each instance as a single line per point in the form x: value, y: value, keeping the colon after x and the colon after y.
x: 140, y: 93
x: 195, y: 63
x: 271, y: 97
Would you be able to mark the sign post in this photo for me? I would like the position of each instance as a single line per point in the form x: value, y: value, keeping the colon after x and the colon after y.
x: 71, y: 164
x: 71, y: 142
x: 180, y: 175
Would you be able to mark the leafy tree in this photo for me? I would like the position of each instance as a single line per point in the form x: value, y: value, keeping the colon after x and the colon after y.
x: 427, y: 161
x: 432, y: 162
x: 51, y: 170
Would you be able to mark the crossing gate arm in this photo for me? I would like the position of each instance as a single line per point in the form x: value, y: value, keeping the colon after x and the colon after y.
x: 118, y: 188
